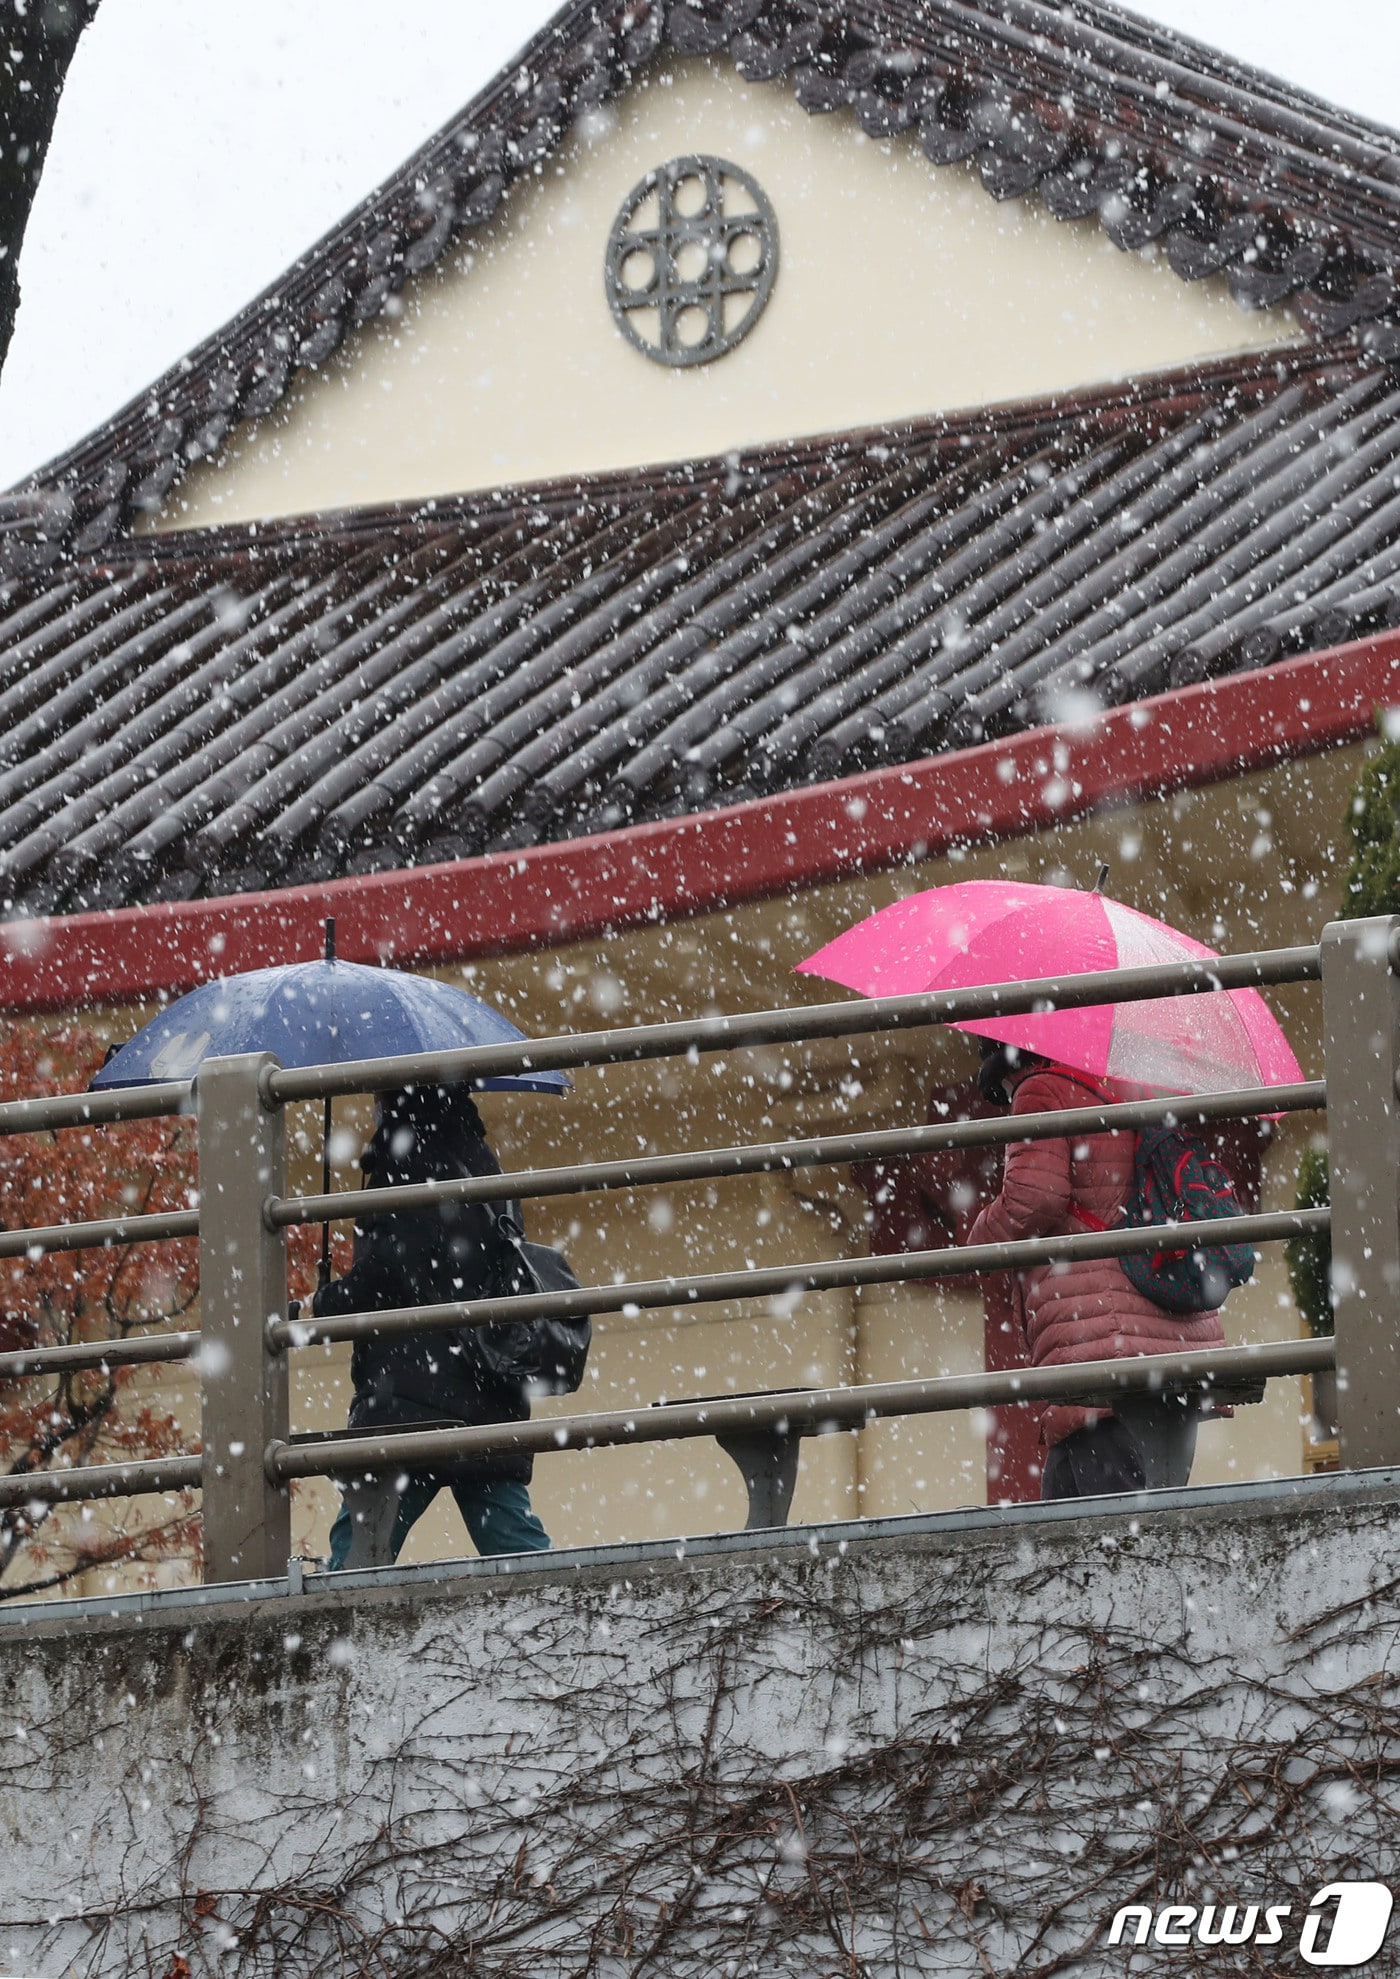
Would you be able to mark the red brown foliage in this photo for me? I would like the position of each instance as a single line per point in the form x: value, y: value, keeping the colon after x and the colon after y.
x: 78, y: 1175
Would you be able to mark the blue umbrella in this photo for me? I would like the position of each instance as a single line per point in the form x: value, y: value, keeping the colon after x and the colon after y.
x: 318, y: 1013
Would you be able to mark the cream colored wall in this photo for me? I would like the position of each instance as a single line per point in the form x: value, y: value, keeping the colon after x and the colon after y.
x: 1246, y: 864
x: 1250, y: 863
x: 902, y: 290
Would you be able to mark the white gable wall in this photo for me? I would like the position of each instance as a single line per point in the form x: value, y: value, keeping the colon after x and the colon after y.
x: 902, y: 290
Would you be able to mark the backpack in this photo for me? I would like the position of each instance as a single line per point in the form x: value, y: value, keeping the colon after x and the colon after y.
x: 534, y: 1356
x: 1176, y: 1179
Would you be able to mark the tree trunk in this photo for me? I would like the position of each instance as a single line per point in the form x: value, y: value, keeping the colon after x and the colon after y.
x: 37, y: 40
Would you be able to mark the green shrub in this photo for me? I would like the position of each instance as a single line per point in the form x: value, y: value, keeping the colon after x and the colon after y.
x: 1372, y: 883
x: 1372, y: 886
x: 1310, y: 1258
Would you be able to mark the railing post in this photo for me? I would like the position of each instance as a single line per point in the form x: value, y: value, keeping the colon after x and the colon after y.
x: 1361, y: 1009
x: 242, y: 1283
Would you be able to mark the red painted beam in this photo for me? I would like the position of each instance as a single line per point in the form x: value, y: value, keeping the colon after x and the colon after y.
x: 509, y: 902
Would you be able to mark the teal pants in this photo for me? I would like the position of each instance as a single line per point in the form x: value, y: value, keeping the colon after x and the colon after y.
x: 376, y: 1518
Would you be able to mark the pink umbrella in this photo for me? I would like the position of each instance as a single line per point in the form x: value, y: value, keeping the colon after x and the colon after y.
x: 993, y: 931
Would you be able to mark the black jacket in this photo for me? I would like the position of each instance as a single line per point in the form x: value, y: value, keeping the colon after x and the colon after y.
x: 425, y: 1258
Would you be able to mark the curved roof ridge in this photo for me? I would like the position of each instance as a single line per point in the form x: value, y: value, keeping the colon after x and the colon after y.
x: 1099, y: 112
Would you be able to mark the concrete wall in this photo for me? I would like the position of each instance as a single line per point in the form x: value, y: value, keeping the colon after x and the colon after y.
x: 950, y: 1747
x: 902, y: 290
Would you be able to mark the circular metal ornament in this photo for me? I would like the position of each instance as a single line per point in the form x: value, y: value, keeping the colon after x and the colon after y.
x: 691, y: 260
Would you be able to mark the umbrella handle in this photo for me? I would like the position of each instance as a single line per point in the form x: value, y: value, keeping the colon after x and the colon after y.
x: 323, y: 1276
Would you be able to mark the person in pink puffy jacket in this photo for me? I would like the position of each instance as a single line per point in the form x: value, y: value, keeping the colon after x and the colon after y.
x: 1087, y: 1311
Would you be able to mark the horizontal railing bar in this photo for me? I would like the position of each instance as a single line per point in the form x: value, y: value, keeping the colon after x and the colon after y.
x: 798, y: 1024
x: 1219, y: 1368
x: 97, y: 1236
x: 131, y: 1480
x: 105, y: 1109
x: 140, y: 1351
x: 822, y: 1276
x: 767, y: 1157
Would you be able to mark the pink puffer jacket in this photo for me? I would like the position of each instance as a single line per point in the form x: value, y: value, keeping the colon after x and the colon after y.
x: 1088, y: 1311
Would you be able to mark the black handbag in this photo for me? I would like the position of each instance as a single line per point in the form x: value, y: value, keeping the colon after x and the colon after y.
x: 534, y: 1356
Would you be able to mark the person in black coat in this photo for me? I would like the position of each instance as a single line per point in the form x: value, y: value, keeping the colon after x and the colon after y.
x: 427, y: 1257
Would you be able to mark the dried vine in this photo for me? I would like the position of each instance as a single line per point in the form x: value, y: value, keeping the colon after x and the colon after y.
x: 955, y: 1761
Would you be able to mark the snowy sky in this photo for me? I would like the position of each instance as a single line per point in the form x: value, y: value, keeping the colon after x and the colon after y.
x: 198, y: 150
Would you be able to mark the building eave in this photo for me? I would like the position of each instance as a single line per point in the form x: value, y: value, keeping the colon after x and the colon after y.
x: 676, y: 869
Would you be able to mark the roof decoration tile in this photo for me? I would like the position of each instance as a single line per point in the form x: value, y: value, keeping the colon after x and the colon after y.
x: 252, y: 707
x: 1096, y: 111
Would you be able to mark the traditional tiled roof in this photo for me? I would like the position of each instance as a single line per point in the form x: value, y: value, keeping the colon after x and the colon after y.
x: 1091, y: 109
x: 250, y: 707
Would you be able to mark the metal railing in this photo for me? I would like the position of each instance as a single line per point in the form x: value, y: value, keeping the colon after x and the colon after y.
x: 248, y: 1459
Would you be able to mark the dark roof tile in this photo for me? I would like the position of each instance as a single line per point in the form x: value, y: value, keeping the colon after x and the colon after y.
x: 251, y: 707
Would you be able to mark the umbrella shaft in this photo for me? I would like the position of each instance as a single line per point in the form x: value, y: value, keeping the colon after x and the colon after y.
x: 325, y: 1272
